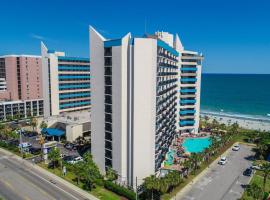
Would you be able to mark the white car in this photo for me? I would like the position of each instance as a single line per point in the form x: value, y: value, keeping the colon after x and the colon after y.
x: 236, y: 148
x: 25, y: 145
x: 222, y: 161
x: 75, y: 160
x: 256, y: 167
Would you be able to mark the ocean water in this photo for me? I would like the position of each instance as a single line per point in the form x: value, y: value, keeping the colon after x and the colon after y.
x: 243, y: 95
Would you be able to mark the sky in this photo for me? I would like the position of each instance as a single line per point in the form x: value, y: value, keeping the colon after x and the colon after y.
x: 233, y: 35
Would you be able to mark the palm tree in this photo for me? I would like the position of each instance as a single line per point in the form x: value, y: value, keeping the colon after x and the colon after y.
x: 187, y: 164
x: 78, y: 169
x: 266, y: 172
x: 33, y: 123
x: 164, y: 185
x: 54, y: 156
x: 152, y: 184
x: 195, y: 159
x: 255, y: 191
x: 214, y: 124
x: 234, y: 128
x: 261, y: 147
x: 43, y: 125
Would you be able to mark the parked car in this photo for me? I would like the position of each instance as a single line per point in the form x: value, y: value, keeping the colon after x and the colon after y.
x: 72, y: 159
x: 222, y: 161
x: 256, y: 167
x: 70, y: 146
x: 248, y: 172
x: 236, y: 148
x: 30, y: 134
x: 34, y: 150
x: 25, y: 145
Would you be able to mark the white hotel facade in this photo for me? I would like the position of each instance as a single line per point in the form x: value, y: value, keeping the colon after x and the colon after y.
x: 144, y: 92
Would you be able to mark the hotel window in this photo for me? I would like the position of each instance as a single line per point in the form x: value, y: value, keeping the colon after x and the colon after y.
x: 108, y: 61
x: 108, y: 51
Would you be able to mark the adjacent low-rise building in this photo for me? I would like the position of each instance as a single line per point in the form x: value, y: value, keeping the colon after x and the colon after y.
x: 10, y: 110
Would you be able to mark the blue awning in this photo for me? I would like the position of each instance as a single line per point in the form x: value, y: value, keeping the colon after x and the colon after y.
x: 52, y: 132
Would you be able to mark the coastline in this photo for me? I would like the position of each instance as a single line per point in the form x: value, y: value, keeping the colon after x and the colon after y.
x: 254, y: 123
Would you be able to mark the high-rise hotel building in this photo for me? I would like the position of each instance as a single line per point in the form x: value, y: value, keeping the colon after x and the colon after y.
x: 142, y: 97
x: 66, y: 82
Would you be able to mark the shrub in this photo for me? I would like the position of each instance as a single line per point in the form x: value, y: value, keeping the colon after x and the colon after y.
x: 120, y: 190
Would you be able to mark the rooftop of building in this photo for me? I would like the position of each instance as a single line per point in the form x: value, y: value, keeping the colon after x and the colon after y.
x: 78, y: 117
x: 20, y: 55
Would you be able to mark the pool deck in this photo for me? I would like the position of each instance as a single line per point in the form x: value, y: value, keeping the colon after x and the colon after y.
x: 177, y: 146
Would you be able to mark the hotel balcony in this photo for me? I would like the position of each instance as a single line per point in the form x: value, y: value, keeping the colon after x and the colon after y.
x: 186, y: 122
x: 187, y: 102
x: 185, y: 112
x: 188, y: 91
x: 188, y: 80
x: 184, y: 74
x: 188, y: 69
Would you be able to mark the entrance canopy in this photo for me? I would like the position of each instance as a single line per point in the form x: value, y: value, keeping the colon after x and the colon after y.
x: 52, y: 132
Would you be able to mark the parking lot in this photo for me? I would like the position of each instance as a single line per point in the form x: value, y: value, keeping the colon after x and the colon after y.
x: 35, y: 144
x: 222, y: 182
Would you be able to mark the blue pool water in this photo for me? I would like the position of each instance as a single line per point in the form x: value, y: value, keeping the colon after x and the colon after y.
x: 170, y: 157
x: 196, y: 145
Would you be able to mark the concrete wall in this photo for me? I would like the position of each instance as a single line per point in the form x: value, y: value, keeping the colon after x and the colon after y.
x: 145, y: 69
x: 73, y: 132
x: 97, y: 98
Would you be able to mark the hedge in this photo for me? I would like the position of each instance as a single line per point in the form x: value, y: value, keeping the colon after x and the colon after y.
x: 120, y: 190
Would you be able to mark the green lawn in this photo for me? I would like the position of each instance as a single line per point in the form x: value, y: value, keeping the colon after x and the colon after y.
x: 99, y: 191
x: 258, y: 179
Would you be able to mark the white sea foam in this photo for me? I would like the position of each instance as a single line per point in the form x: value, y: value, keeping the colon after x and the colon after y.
x: 238, y: 116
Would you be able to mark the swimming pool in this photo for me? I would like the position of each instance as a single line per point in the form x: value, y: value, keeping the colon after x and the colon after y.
x: 170, y: 157
x: 196, y: 145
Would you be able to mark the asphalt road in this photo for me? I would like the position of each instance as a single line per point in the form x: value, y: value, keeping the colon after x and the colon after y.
x: 223, y: 182
x: 19, y: 182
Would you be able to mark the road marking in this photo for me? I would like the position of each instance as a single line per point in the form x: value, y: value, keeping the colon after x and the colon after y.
x: 38, y: 188
x: 6, y: 183
x: 235, y: 192
x: 64, y: 191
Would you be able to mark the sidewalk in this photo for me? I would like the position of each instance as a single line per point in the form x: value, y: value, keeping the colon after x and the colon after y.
x: 52, y: 177
x: 183, y: 191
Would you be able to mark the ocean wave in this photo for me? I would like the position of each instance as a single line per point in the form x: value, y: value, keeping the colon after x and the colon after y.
x: 237, y: 116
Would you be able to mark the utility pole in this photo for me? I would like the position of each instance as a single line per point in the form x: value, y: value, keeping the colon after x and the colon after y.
x: 21, y: 148
x: 136, y: 189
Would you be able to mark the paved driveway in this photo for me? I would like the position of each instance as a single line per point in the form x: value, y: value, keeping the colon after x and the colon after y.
x: 222, y: 182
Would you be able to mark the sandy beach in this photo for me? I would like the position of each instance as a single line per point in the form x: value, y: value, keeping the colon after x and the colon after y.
x: 244, y: 122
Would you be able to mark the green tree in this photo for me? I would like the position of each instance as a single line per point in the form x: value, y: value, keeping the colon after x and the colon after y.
x: 173, y: 178
x: 78, y: 169
x: 255, y: 191
x: 111, y: 174
x: 91, y: 172
x: 234, y: 128
x: 43, y: 125
x: 214, y: 124
x: 266, y: 172
x: 152, y: 183
x: 164, y: 185
x: 187, y: 164
x: 54, y: 156
x: 33, y: 123
x: 195, y: 158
